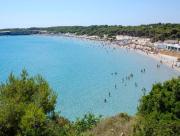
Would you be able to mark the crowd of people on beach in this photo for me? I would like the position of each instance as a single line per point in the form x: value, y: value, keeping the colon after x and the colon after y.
x: 148, y: 50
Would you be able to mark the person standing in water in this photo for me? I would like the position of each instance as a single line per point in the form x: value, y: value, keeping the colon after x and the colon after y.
x: 109, y: 94
x: 115, y: 86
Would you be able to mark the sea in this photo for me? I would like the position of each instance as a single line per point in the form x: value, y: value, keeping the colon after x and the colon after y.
x: 87, y: 76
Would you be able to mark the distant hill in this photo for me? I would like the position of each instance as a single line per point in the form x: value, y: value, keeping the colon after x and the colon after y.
x: 154, y: 31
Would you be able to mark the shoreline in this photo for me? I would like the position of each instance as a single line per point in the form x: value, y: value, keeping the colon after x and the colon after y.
x: 162, y: 59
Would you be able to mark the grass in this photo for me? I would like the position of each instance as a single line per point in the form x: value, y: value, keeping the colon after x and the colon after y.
x: 119, y: 125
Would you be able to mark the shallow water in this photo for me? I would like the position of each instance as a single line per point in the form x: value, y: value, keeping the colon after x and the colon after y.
x: 81, y: 72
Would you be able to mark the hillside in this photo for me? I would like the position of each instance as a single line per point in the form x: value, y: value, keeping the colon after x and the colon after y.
x: 119, y: 125
x: 154, y: 31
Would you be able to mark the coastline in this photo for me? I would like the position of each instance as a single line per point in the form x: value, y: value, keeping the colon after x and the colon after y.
x: 167, y: 60
x: 162, y: 59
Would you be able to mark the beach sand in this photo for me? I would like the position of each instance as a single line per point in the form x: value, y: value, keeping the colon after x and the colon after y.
x: 170, y: 61
x: 163, y: 59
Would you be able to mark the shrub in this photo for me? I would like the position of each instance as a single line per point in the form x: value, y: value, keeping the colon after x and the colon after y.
x: 159, y: 111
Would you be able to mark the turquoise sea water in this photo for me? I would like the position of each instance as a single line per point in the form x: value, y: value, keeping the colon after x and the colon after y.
x: 81, y: 72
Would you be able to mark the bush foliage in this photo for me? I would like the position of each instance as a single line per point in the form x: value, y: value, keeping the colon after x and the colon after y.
x: 159, y: 111
x: 154, y: 31
x: 27, y: 107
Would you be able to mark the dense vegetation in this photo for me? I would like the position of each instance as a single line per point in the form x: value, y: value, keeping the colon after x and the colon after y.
x: 154, y: 31
x: 158, y: 115
x: 18, y: 31
x: 159, y: 111
x: 27, y: 108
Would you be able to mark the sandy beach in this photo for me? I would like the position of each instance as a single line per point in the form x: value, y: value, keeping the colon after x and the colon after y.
x: 162, y: 59
x: 170, y: 61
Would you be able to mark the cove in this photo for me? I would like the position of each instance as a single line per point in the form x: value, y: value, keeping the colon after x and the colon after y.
x: 83, y: 73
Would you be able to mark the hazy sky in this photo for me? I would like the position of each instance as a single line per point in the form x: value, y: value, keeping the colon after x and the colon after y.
x: 29, y: 13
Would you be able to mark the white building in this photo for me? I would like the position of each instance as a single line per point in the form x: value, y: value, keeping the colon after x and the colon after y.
x: 160, y: 45
x: 123, y: 37
x: 167, y: 46
x: 173, y: 47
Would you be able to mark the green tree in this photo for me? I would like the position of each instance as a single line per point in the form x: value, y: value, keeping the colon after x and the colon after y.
x: 27, y: 109
x: 86, y: 123
x: 26, y: 104
x: 159, y: 111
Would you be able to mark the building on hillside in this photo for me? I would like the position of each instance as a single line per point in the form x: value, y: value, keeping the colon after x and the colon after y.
x: 167, y: 46
x: 173, y: 47
x: 123, y: 37
x: 160, y: 45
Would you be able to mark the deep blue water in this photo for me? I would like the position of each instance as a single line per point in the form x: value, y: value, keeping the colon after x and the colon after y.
x: 80, y: 72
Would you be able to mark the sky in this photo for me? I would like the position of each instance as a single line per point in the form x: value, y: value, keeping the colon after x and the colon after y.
x: 43, y: 13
